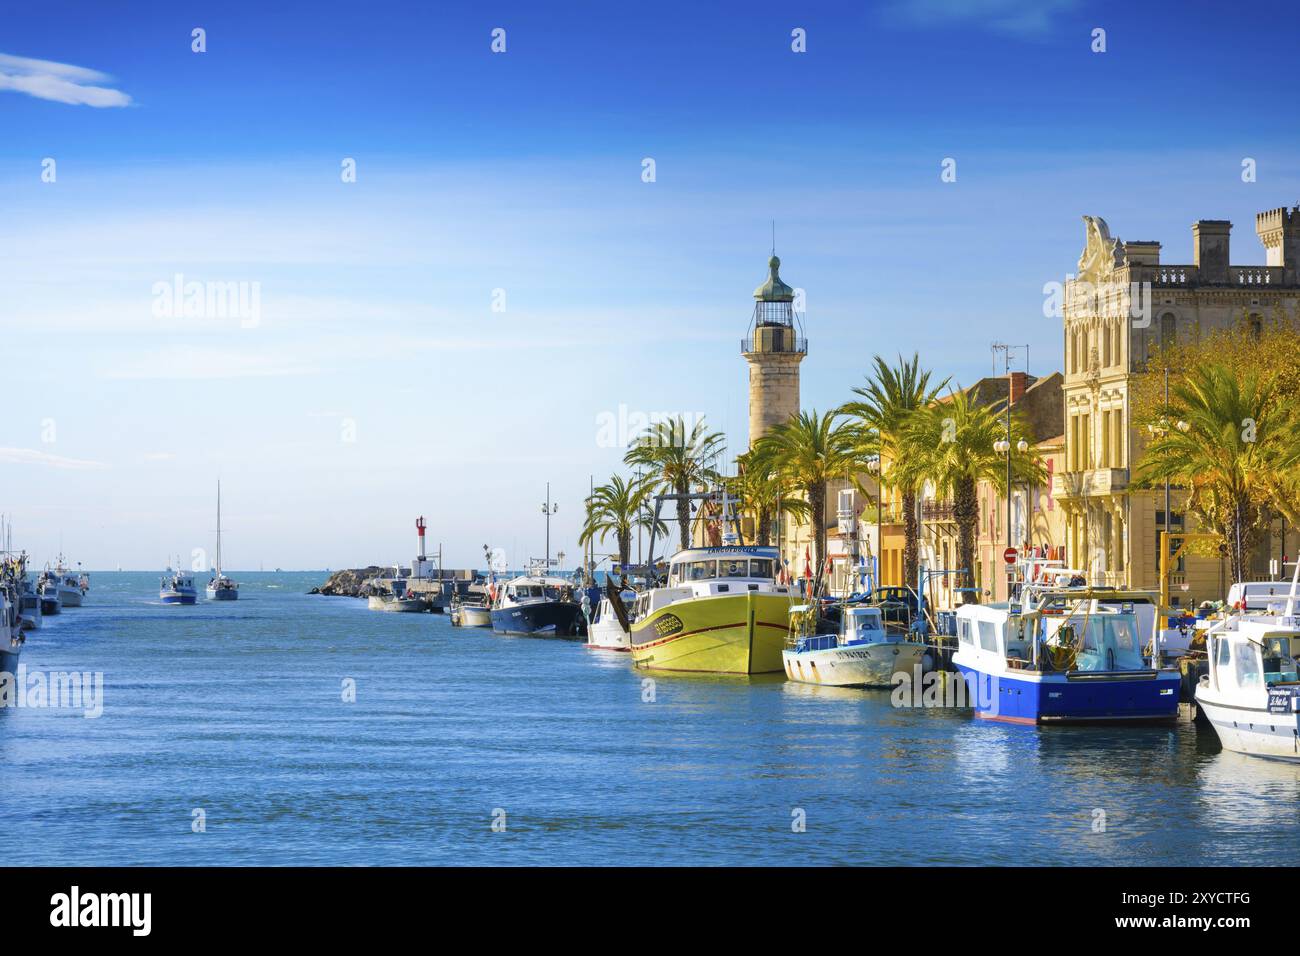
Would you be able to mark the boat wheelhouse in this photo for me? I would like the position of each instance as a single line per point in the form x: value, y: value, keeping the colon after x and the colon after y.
x: 720, y: 612
x: 862, y: 652
x: 1062, y: 655
x: 605, y: 630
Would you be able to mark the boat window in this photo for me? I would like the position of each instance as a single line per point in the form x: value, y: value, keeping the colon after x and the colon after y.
x: 1224, y: 653
x: 1279, y: 664
x: 760, y: 568
x: 701, y: 570
x: 963, y: 631
x: 1247, y: 666
x: 988, y: 635
x: 733, y: 568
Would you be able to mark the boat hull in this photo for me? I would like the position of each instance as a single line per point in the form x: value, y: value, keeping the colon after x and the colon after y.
x: 608, y: 636
x: 854, y: 665
x: 223, y: 594
x: 724, y: 634
x: 543, y: 619
x: 9, y: 659
x: 1254, y: 731
x: 398, y: 605
x: 178, y: 597
x: 1086, y: 697
x: 474, y: 616
x: 69, y: 597
x: 50, y: 605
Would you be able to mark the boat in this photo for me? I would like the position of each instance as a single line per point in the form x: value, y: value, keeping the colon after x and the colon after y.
x: 720, y: 611
x: 177, y: 588
x: 393, y: 602
x: 859, y: 652
x: 470, y: 612
x: 220, y: 587
x: 1062, y: 655
x: 72, y: 586
x: 47, y: 585
x: 1251, y: 694
x: 11, y: 628
x: 29, y: 604
x: 537, y: 604
x: 608, y: 629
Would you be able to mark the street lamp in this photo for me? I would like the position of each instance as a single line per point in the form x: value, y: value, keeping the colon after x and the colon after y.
x: 873, y: 467
x: 548, y: 509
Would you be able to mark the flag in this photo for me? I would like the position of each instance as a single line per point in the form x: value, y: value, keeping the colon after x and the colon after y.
x: 807, y: 563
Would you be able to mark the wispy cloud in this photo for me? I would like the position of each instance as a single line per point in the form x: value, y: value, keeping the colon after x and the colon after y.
x: 60, y: 82
x: 189, y: 363
x: 30, y: 456
x: 1025, y: 18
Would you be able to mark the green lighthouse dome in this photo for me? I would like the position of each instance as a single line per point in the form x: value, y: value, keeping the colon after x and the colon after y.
x: 774, y: 290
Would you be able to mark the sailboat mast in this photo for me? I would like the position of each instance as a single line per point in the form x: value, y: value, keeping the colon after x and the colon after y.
x: 218, y: 529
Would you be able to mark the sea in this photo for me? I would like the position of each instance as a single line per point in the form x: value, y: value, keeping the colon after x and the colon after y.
x: 290, y: 728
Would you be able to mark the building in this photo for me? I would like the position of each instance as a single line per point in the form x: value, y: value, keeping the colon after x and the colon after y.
x: 1121, y: 305
x: 1037, y: 523
x: 773, y: 348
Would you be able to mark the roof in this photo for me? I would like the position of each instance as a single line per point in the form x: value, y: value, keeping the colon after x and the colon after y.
x: 774, y: 290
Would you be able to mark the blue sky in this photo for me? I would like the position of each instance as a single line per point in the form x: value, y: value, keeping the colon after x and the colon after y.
x: 521, y: 172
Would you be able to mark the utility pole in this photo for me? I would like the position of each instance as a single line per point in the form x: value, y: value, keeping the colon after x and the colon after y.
x: 548, y: 509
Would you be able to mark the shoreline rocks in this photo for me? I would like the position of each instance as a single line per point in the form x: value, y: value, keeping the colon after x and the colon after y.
x: 351, y: 582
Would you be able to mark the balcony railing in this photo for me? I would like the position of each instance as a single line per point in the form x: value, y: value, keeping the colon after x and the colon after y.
x: 779, y: 340
x: 1098, y: 481
x: 937, y: 511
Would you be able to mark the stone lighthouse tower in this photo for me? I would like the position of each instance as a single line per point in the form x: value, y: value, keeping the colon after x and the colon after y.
x: 773, y: 348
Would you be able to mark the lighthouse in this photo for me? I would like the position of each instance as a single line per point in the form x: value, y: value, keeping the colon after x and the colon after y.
x: 773, y: 347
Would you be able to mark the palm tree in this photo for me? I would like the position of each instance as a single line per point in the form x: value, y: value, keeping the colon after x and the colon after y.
x: 880, y: 417
x: 807, y: 453
x: 618, y: 508
x: 950, y: 444
x: 678, y: 463
x: 761, y: 495
x: 1231, y: 435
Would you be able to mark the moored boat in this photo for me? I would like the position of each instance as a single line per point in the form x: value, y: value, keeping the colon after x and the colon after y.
x: 47, y: 585
x: 1251, y: 694
x: 1062, y: 655
x: 860, y: 652
x: 537, y: 605
x: 720, y: 612
x: 71, y: 585
x: 177, y: 587
x: 608, y: 630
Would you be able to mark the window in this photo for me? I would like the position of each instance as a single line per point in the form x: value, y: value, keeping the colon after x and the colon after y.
x: 963, y: 631
x: 1168, y: 330
x: 1247, y: 666
x: 988, y: 635
x: 760, y: 568
x: 701, y: 570
x: 734, y: 568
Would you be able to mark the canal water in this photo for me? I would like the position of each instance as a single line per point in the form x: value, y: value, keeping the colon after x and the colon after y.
x: 234, y: 720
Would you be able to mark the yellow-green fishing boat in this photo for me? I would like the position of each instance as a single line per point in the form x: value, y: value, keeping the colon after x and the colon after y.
x: 720, y: 612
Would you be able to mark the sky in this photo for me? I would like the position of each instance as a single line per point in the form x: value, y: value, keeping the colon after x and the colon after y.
x: 448, y: 332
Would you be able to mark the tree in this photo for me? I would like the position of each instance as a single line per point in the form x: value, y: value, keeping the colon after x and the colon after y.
x: 678, y: 463
x: 618, y: 508
x: 807, y: 453
x: 951, y: 444
x: 762, y: 496
x: 880, y: 418
x: 1227, y: 431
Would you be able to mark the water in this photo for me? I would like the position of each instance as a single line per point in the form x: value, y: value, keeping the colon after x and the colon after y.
x: 237, y: 709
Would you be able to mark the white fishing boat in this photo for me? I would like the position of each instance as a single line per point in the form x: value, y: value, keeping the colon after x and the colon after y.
x: 29, y: 604
x: 11, y: 628
x: 397, y: 600
x: 220, y: 587
x: 607, y: 630
x: 470, y: 612
x: 1251, y: 695
x: 859, y: 653
x: 47, y: 586
x: 70, y: 585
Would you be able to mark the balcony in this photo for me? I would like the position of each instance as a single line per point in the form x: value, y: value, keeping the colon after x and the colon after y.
x: 774, y: 338
x: 1084, y: 484
x: 937, y: 511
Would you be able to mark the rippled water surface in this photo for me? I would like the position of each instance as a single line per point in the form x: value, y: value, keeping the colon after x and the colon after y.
x: 237, y: 709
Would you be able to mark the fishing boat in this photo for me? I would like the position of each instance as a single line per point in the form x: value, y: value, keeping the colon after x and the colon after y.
x: 71, y: 585
x: 719, y: 612
x: 47, y: 585
x: 537, y: 604
x: 399, y: 603
x: 29, y: 604
x: 1062, y: 655
x: 608, y: 629
x: 177, y: 588
x: 1251, y: 695
x: 11, y: 628
x: 220, y: 587
x: 859, y: 652
x: 470, y: 611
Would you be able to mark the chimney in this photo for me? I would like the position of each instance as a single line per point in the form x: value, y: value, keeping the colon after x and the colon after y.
x: 1210, y: 248
x: 1279, y: 231
x: 1019, y: 382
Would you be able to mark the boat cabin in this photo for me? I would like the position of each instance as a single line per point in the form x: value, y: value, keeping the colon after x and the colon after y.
x: 713, y: 572
x: 1095, y: 637
x: 1254, y: 655
x: 858, y: 625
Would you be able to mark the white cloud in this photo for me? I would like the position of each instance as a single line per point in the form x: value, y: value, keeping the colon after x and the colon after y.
x: 30, y: 456
x: 1019, y: 17
x: 60, y: 82
x: 183, y: 362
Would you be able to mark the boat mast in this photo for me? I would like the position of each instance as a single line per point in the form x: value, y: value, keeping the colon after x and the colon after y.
x: 218, y: 529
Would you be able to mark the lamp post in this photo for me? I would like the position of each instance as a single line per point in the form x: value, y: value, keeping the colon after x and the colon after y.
x: 548, y: 509
x: 874, y: 468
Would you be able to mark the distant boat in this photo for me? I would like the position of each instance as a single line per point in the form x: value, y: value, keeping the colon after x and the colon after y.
x: 177, y: 588
x: 220, y: 587
x: 11, y: 628
x: 48, y: 587
x: 29, y: 604
x: 473, y: 612
x: 71, y: 586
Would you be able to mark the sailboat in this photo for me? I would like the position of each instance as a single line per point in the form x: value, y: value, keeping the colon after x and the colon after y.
x: 221, y: 588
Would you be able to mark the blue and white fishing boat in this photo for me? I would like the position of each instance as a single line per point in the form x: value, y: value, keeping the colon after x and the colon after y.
x: 860, y: 653
x: 177, y: 588
x: 537, y: 604
x: 1062, y: 655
